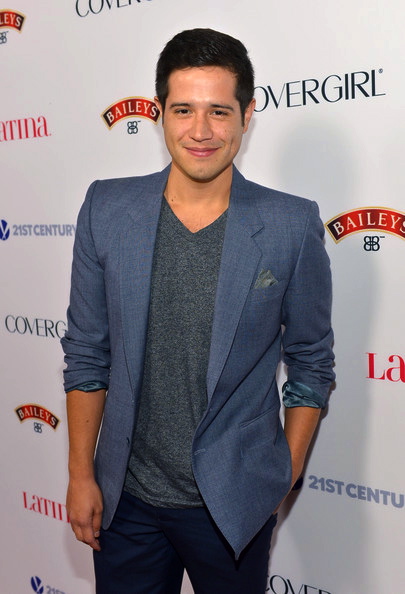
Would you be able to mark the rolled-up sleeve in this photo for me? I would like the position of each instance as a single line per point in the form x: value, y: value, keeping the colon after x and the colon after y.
x: 86, y: 341
x: 308, y: 336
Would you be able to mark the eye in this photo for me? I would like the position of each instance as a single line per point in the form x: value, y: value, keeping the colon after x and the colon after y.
x: 182, y: 111
x: 220, y: 113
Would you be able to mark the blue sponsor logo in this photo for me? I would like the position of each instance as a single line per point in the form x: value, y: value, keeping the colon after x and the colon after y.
x: 36, y: 585
x: 39, y: 588
x: 355, y: 491
x: 36, y: 230
x: 4, y: 230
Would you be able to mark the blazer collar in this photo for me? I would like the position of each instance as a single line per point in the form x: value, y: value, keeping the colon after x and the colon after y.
x: 240, y: 258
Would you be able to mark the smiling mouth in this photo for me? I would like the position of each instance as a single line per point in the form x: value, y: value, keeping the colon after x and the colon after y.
x: 201, y: 152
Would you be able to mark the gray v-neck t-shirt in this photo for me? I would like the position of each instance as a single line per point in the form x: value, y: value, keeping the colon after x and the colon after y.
x: 174, y: 396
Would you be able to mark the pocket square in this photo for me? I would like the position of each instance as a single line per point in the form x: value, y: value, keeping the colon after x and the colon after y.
x: 265, y: 279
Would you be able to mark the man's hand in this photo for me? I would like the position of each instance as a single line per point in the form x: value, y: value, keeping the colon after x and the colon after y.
x: 84, y: 505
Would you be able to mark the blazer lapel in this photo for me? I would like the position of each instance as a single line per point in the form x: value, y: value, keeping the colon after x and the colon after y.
x: 136, y: 256
x: 240, y: 259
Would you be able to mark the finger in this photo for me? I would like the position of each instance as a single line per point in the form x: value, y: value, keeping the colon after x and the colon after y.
x: 91, y: 538
x: 97, y: 522
x: 86, y: 534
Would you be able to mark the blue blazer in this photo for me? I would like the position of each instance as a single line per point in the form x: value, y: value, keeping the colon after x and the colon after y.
x: 274, y: 292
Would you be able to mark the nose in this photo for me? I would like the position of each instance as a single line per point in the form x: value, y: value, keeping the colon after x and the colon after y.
x: 200, y: 129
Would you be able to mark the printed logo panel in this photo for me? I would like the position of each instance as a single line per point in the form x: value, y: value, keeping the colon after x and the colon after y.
x: 370, y: 218
x: 40, y: 415
x: 313, y: 91
x: 11, y: 19
x: 85, y: 8
x: 131, y: 107
x: 35, y: 230
x: 278, y: 584
x: 45, y: 507
x: 391, y: 369
x: 354, y: 491
x: 41, y: 327
x: 39, y: 587
x: 24, y: 129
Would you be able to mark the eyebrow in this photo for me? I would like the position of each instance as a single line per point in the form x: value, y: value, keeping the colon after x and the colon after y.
x: 216, y: 105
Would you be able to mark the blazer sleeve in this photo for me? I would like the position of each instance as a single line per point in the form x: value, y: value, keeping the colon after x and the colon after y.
x: 306, y: 314
x: 86, y: 342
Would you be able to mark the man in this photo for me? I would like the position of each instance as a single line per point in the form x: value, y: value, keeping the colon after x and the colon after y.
x: 185, y: 286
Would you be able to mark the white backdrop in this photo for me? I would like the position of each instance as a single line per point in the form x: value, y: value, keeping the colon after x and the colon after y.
x: 329, y: 126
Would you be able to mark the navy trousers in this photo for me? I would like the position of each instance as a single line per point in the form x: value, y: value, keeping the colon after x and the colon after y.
x: 147, y: 548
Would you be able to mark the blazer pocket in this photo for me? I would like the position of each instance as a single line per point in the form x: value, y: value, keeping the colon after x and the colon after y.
x: 265, y: 279
x: 260, y: 431
x: 265, y: 294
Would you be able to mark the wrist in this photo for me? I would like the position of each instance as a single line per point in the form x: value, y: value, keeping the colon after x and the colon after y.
x: 81, y: 473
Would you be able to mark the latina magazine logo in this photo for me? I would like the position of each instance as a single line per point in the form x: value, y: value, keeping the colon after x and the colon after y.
x: 10, y: 19
x: 131, y: 107
x: 24, y: 128
x: 370, y: 219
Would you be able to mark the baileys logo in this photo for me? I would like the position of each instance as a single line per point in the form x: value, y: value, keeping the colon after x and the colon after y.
x: 130, y: 107
x: 369, y: 218
x: 11, y: 19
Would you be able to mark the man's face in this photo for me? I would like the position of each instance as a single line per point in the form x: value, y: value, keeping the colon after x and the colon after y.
x: 202, y: 121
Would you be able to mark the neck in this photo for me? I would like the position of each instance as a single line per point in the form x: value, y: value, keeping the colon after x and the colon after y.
x: 198, y: 204
x: 190, y: 193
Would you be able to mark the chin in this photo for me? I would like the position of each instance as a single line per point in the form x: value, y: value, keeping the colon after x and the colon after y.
x: 206, y: 175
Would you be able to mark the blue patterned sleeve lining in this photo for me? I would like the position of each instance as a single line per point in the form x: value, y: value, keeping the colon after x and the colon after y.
x: 90, y: 386
x: 297, y: 394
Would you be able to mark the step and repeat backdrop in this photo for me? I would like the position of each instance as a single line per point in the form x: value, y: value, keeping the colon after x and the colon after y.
x: 77, y: 85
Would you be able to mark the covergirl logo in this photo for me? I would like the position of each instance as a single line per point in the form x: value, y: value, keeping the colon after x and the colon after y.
x: 282, y: 585
x: 310, y: 91
x: 371, y: 218
x: 130, y: 107
x: 87, y: 7
x: 23, y: 325
x: 11, y: 19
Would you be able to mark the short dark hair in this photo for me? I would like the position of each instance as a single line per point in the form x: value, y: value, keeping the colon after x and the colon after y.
x: 206, y: 47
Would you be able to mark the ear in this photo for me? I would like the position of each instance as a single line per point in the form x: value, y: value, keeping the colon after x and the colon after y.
x: 248, y: 115
x: 159, y: 106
